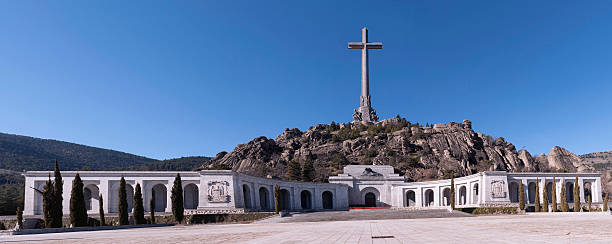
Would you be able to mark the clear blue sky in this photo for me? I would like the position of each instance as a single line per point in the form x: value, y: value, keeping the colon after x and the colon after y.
x: 166, y: 79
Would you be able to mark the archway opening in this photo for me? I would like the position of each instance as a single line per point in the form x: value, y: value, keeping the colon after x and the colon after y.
x: 410, y: 199
x: 284, y: 199
x: 514, y: 191
x: 462, y: 195
x: 475, y: 194
x: 263, y: 198
x: 129, y: 190
x: 532, y: 192
x: 306, y: 199
x: 328, y: 200
x: 429, y: 197
x: 587, y: 191
x: 161, y: 197
x: 91, y: 195
x: 191, y: 195
x: 549, y: 191
x: 246, y: 194
x: 446, y: 194
x: 569, y: 192
x: 370, y: 199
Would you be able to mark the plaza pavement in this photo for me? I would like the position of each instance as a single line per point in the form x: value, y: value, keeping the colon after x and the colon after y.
x: 539, y: 228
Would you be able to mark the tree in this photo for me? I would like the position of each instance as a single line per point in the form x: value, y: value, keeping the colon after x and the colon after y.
x: 308, y: 172
x: 294, y: 171
x: 564, y: 205
x: 152, y: 207
x: 589, y: 202
x: 554, y: 195
x: 58, y: 190
x: 101, y: 211
x: 452, y: 192
x: 138, y: 206
x: 19, y: 218
x: 276, y: 199
x: 48, y: 195
x: 576, y: 196
x: 545, y: 197
x: 78, y: 211
x: 177, y: 199
x: 537, y: 196
x: 521, y: 196
x: 605, y: 203
x: 123, y: 204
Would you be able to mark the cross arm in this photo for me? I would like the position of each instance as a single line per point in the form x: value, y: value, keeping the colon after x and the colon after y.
x: 355, y: 45
x: 374, y: 45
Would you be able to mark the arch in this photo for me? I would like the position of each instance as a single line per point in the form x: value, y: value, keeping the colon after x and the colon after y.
x: 306, y: 199
x: 129, y: 190
x: 514, y: 191
x: 462, y: 195
x: 569, y: 191
x: 91, y: 194
x: 446, y: 195
x: 586, y: 187
x: 429, y: 197
x: 410, y: 198
x: 531, y: 190
x: 264, y: 202
x: 328, y: 200
x: 370, y: 199
x: 284, y: 199
x: 246, y: 195
x: 161, y: 197
x: 190, y: 196
x: 38, y: 198
x: 549, y: 191
x: 475, y: 191
x: 370, y: 196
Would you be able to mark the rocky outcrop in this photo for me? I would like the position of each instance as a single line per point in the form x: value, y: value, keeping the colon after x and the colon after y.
x: 418, y: 152
x: 559, y: 158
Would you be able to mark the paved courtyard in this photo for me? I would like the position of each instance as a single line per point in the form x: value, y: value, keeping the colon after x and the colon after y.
x: 545, y: 228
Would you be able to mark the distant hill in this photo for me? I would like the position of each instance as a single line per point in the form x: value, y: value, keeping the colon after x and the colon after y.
x: 19, y: 153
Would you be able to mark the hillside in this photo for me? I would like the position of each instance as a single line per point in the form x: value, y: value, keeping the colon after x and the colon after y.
x: 417, y: 152
x: 19, y: 153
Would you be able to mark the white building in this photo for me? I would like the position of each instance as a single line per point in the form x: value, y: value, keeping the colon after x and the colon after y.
x: 224, y: 191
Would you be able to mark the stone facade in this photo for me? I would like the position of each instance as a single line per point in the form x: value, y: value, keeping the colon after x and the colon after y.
x: 224, y: 191
x: 377, y: 185
x: 207, y: 191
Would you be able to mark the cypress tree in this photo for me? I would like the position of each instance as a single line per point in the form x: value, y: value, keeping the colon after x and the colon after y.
x: 564, y: 205
x: 605, y: 203
x: 576, y: 196
x: 177, y: 199
x: 58, y: 190
x: 138, y: 206
x: 276, y: 199
x: 48, y: 195
x: 452, y: 192
x: 589, y: 202
x: 308, y: 171
x: 545, y: 196
x: 78, y: 211
x: 123, y: 204
x: 19, y: 218
x: 521, y: 196
x: 152, y: 207
x: 294, y: 171
x: 101, y: 211
x: 554, y: 195
x: 537, y: 196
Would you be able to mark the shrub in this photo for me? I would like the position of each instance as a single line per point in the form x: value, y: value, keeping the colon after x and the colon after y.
x: 276, y: 198
x: 554, y: 195
x: 537, y: 196
x: 57, y: 209
x: 452, y: 193
x: 19, y: 217
x: 564, y: 204
x: 605, y: 203
x: 545, y: 197
x: 152, y: 207
x: 576, y: 195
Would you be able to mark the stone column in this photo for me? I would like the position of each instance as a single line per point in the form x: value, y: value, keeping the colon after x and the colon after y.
x: 105, y: 192
x: 169, y: 185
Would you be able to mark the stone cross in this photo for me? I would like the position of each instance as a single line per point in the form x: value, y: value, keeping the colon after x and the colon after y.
x: 365, y: 112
